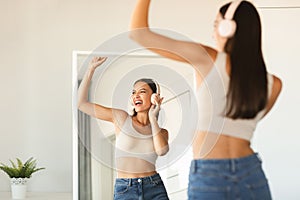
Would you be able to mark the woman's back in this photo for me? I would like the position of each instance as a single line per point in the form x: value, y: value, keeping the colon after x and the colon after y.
x: 219, y: 136
x: 231, y: 99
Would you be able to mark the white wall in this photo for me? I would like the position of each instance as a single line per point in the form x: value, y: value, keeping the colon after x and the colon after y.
x: 38, y: 36
x: 277, y: 135
x: 37, y: 39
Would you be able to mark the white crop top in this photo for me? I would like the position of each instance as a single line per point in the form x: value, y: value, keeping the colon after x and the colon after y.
x: 211, y: 98
x: 132, y: 144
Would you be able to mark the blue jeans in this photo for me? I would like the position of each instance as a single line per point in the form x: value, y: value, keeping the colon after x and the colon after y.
x: 233, y: 179
x: 145, y: 188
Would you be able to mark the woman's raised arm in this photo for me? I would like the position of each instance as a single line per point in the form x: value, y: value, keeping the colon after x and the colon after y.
x: 92, y: 109
x: 184, y: 51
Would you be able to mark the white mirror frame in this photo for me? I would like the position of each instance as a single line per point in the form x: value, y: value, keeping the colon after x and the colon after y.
x: 75, y: 55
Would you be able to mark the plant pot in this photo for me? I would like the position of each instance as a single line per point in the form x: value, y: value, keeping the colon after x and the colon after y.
x: 18, y: 188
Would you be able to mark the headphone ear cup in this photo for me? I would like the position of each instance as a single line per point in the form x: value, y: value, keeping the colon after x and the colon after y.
x: 153, y: 99
x: 227, y: 28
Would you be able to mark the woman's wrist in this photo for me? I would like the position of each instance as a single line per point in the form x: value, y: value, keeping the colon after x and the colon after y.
x: 91, y: 69
x: 90, y: 72
x: 152, y: 119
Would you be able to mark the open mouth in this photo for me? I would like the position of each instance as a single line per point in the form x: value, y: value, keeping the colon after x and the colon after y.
x: 138, y: 102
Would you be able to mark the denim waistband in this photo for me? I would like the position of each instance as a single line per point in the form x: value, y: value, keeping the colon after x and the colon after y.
x: 142, y: 180
x: 232, y: 164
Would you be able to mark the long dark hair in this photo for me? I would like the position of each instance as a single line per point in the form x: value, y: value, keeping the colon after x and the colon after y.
x: 151, y: 84
x: 247, y: 93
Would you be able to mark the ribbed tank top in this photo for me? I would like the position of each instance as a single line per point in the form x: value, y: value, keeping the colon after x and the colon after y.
x: 211, y: 99
x: 132, y: 144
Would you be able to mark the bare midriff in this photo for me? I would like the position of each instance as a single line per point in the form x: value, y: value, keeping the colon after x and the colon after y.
x: 219, y: 146
x: 134, y: 168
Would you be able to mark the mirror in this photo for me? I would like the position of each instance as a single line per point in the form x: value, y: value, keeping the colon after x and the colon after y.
x: 93, y: 139
x: 280, y: 51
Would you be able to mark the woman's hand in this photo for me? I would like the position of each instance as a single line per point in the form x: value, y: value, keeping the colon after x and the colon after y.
x: 96, y: 62
x: 155, y: 108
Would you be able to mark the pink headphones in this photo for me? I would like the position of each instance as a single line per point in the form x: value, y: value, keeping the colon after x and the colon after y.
x: 227, y: 26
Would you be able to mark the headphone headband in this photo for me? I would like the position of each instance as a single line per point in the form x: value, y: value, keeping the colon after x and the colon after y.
x: 231, y: 9
x: 157, y: 86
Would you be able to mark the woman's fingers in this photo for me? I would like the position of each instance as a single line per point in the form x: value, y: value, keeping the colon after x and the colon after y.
x: 97, y: 61
x: 161, y: 99
x: 158, y: 100
x: 100, y: 60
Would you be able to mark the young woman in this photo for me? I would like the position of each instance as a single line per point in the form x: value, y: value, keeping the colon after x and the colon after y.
x: 234, y: 92
x: 139, y: 139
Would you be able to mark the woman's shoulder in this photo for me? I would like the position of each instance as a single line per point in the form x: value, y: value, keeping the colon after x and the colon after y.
x: 211, y: 52
x: 119, y: 117
x: 277, y: 85
x: 276, y: 89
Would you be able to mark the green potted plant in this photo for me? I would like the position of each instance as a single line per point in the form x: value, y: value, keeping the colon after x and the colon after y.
x: 19, y: 173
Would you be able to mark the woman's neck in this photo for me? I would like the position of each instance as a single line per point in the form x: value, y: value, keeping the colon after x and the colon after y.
x: 142, y: 118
